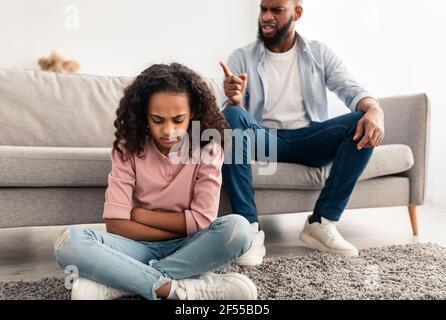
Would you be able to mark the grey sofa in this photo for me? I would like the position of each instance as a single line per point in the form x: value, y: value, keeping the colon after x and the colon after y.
x: 57, y: 132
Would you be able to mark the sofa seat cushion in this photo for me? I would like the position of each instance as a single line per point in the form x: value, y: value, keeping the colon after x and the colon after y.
x: 54, y: 166
x: 386, y: 160
x: 85, y: 167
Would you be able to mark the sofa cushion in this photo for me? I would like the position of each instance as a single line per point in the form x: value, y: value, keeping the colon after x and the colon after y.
x: 39, y: 108
x: 386, y: 160
x: 53, y: 166
x: 82, y: 167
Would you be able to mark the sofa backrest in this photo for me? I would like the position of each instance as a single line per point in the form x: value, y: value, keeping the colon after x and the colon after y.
x: 39, y: 108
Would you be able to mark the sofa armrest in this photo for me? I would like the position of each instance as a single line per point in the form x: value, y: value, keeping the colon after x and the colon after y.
x: 407, y: 121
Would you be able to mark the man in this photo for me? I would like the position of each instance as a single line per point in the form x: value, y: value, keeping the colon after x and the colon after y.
x: 279, y: 82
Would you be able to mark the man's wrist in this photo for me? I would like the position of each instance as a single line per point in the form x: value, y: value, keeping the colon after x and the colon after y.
x: 368, y: 104
x: 233, y: 103
x: 376, y: 108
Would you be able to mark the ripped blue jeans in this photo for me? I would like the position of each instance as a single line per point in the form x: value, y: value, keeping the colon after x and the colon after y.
x: 142, y: 267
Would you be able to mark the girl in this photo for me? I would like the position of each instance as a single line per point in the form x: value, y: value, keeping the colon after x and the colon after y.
x: 163, y: 236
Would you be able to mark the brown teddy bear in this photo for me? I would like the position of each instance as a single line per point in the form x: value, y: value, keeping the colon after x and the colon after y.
x: 57, y: 64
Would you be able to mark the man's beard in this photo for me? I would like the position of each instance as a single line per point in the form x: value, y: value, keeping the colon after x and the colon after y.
x: 278, y: 38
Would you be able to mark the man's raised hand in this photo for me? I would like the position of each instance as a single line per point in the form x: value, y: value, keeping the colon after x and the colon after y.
x: 234, y: 86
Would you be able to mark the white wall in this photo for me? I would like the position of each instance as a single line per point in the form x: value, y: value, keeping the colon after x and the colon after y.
x: 393, y: 47
x: 117, y: 37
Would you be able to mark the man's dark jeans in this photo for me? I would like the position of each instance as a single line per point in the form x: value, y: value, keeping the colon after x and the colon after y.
x: 318, y: 145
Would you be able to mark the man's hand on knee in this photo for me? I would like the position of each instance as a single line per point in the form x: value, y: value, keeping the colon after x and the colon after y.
x: 371, y: 126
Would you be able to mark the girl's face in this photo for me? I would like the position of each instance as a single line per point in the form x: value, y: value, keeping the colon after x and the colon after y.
x: 168, y: 115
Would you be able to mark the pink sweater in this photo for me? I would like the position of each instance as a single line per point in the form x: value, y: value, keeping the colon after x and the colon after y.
x: 161, y: 183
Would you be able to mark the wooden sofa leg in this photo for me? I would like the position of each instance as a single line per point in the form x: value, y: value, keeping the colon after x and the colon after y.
x: 413, y: 219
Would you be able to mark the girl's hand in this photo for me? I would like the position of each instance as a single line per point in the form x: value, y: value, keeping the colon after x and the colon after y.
x: 135, y: 214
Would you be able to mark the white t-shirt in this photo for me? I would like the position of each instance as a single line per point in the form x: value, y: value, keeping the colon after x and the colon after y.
x: 284, y: 108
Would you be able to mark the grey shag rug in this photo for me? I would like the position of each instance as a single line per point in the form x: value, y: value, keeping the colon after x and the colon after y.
x: 416, y: 271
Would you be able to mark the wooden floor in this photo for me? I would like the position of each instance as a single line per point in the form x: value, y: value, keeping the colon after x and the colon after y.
x: 27, y: 253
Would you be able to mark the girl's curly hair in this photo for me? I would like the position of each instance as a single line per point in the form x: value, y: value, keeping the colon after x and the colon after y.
x: 131, y: 123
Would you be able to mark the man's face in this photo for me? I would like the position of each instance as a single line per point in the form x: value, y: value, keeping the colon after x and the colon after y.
x: 276, y: 20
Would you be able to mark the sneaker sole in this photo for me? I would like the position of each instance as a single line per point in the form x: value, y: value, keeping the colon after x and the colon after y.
x: 252, y: 261
x: 248, y: 284
x: 76, y: 295
x: 312, y: 242
x: 79, y: 293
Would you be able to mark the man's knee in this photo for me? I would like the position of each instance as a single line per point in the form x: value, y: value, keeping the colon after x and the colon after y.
x: 351, y: 120
x: 236, y: 117
x: 355, y: 117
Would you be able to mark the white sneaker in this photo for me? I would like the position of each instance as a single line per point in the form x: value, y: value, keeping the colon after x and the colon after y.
x: 212, y: 286
x: 326, y: 238
x: 86, y: 289
x: 254, y: 255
